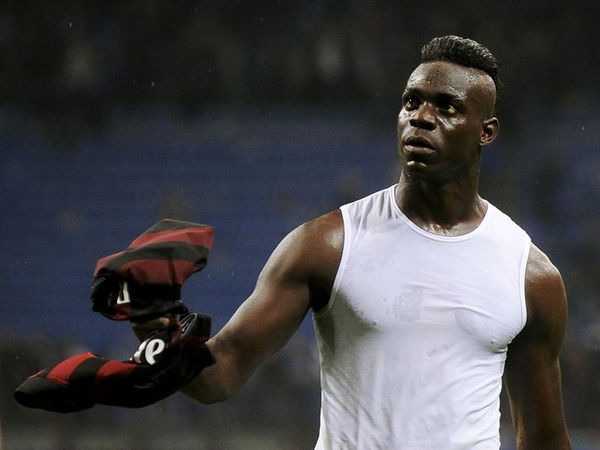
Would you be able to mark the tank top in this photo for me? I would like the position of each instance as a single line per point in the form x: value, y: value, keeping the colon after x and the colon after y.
x: 413, y: 340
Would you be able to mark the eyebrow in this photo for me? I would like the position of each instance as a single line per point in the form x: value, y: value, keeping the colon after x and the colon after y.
x: 445, y: 96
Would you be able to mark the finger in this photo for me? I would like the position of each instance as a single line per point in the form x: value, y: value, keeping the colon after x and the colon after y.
x: 142, y: 329
x: 153, y: 324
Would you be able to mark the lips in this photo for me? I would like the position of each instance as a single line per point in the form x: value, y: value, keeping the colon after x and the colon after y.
x: 418, y: 151
x: 418, y: 142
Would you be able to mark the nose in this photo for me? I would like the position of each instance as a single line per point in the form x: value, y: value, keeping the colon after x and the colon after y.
x: 423, y: 117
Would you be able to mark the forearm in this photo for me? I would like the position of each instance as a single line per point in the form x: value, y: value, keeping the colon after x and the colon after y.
x: 214, y: 384
x: 558, y: 440
x: 207, y: 389
x: 536, y: 407
x: 219, y: 381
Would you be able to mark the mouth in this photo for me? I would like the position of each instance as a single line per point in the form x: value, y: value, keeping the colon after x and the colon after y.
x: 418, y: 144
x: 418, y: 151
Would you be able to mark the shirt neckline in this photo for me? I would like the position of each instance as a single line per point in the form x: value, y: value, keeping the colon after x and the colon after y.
x: 437, y: 237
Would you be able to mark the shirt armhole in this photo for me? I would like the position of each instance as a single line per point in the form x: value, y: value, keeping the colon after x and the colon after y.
x: 523, y: 270
x: 348, y: 236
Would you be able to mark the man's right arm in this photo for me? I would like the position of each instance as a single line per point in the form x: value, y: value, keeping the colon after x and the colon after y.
x: 298, y: 275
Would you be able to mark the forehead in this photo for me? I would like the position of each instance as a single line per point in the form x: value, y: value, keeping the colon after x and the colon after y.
x: 449, y: 78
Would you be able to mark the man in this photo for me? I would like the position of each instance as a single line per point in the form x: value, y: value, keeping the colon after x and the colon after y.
x: 424, y: 294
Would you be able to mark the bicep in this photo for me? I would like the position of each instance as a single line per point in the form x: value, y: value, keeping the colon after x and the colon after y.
x: 263, y: 323
x: 303, y: 263
x: 533, y: 381
x: 532, y: 373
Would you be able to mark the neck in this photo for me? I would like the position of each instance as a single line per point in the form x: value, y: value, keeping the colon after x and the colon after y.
x: 450, y: 207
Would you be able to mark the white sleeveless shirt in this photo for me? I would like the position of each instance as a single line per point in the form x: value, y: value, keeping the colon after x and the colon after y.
x: 413, y: 340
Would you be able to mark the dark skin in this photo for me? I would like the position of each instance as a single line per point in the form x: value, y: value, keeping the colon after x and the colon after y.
x: 445, y: 121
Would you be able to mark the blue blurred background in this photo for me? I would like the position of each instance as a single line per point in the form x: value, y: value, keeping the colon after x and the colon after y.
x: 255, y: 117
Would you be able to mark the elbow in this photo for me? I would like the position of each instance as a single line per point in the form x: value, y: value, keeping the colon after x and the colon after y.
x: 558, y: 441
x: 204, y: 396
x: 219, y: 381
x: 208, y: 393
x: 214, y: 396
x: 212, y: 399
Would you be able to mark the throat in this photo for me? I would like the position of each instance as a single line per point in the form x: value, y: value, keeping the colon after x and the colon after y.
x: 446, y: 230
x: 445, y: 212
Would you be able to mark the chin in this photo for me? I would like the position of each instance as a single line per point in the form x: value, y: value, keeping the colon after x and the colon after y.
x: 432, y: 175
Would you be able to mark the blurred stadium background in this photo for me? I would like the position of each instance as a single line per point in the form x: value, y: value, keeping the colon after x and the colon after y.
x: 254, y: 117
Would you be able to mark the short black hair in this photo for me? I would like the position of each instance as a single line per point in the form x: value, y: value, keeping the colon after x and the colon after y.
x: 463, y: 51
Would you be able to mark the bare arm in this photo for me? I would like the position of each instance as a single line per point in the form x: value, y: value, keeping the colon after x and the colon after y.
x: 532, y: 373
x: 298, y: 275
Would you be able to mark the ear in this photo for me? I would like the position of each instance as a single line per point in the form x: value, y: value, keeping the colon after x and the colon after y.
x: 489, y: 131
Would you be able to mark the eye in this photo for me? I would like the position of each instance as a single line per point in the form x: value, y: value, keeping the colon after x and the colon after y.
x: 410, y: 102
x: 450, y: 109
x: 447, y: 105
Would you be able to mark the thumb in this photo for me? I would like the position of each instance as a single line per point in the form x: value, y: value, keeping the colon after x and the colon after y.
x: 143, y: 329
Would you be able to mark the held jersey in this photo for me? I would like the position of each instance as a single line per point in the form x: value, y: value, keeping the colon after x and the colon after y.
x: 414, y: 338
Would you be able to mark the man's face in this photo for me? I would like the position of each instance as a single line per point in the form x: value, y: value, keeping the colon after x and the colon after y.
x: 442, y: 123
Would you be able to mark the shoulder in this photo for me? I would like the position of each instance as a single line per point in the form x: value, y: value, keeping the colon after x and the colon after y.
x: 540, y: 270
x: 320, y: 235
x: 312, y: 250
x: 543, y: 281
x: 545, y: 295
x: 327, y: 229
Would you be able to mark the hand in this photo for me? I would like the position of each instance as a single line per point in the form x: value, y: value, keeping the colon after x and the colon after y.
x: 165, y: 362
x: 143, y: 329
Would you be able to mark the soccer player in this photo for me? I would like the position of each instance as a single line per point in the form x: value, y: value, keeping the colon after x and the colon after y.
x: 425, y: 296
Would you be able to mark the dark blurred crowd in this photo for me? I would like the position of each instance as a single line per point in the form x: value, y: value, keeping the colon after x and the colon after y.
x: 67, y: 56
